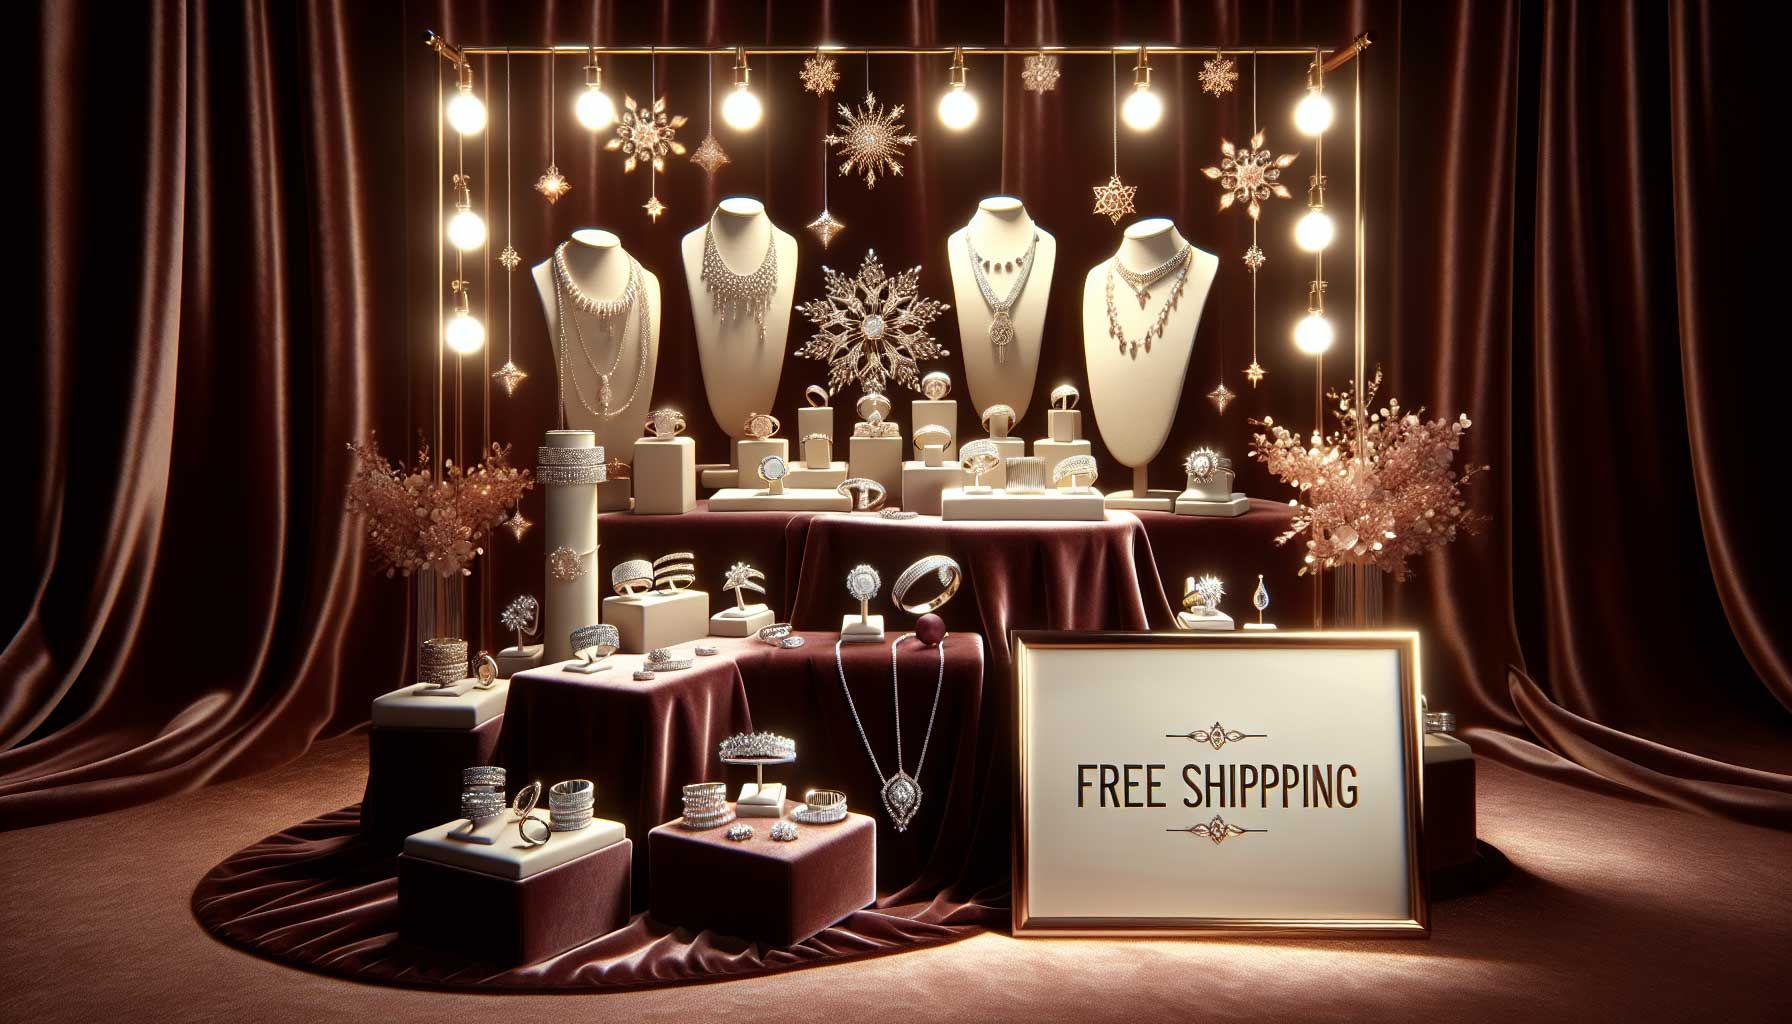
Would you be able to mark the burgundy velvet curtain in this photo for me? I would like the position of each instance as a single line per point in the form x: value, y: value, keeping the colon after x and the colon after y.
x: 238, y: 275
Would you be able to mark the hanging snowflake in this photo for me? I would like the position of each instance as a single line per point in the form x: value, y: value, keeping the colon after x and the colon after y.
x: 552, y: 184
x: 509, y: 375
x: 1039, y: 73
x: 825, y: 226
x: 1218, y: 75
x: 871, y: 140
x: 1250, y: 176
x: 1114, y: 200
x: 1254, y: 258
x: 872, y: 328
x: 508, y: 259
x: 710, y: 155
x: 820, y: 75
x: 518, y: 524
x: 646, y: 134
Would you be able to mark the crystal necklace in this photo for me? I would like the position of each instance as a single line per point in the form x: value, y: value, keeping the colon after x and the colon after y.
x: 613, y: 315
x: 1178, y: 263
x: 901, y: 792
x: 728, y: 291
x: 1001, y: 325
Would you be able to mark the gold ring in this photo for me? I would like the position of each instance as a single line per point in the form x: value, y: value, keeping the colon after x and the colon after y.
x: 1065, y: 396
x: 486, y: 671
x: 998, y: 410
x: 664, y: 423
x: 936, y: 385
x: 869, y: 493
x: 761, y: 425
x: 935, y: 434
x: 816, y: 396
x: 943, y: 569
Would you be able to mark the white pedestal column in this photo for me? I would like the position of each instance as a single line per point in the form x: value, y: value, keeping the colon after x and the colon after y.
x: 571, y: 523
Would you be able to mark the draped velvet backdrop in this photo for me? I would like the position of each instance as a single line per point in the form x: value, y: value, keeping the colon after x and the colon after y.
x: 239, y: 275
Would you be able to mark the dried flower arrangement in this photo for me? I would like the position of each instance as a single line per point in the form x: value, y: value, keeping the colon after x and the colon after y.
x: 416, y: 522
x: 1376, y: 500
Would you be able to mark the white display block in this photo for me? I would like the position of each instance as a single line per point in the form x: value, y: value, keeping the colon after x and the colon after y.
x: 746, y: 499
x: 760, y: 801
x: 1007, y: 448
x: 468, y: 708
x: 750, y: 452
x: 658, y: 619
x: 822, y: 478
x: 1219, y: 488
x: 512, y: 660
x: 1441, y: 748
x: 615, y: 495
x: 923, y: 485
x: 665, y: 476
x: 1258, y: 625
x: 495, y: 848
x: 817, y: 419
x: 867, y: 630
x: 571, y: 522
x: 1053, y: 452
x: 718, y: 476
x: 956, y: 505
x: 1150, y: 501
x: 937, y: 412
x: 877, y: 458
x: 1216, y: 622
x: 741, y: 622
x: 1188, y: 504
x: 1063, y: 425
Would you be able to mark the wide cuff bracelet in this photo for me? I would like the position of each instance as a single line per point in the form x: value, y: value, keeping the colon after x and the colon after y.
x: 480, y: 806
x: 709, y: 820
x: 441, y: 661
x: 484, y: 775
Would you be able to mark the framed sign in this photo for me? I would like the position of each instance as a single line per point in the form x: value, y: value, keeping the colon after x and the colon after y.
x: 1248, y: 782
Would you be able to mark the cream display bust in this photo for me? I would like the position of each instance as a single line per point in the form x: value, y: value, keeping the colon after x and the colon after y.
x: 740, y: 372
x: 1135, y: 396
x: 1001, y: 230
x: 598, y: 264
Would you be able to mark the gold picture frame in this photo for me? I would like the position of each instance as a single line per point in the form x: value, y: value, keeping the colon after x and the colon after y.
x: 1412, y: 921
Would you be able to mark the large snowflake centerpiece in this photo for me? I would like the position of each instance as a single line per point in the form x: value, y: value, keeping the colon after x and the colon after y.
x: 1218, y: 74
x: 872, y: 328
x: 1039, y: 73
x: 646, y: 134
x: 1250, y: 176
x: 820, y: 74
x: 871, y: 139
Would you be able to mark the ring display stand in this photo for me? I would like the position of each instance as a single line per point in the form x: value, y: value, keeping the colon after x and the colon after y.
x: 658, y: 619
x: 664, y: 476
x: 758, y: 800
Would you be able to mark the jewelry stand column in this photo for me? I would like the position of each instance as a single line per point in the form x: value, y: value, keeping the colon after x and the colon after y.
x: 570, y: 465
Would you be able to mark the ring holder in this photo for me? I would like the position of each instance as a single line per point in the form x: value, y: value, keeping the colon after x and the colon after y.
x: 1063, y: 428
x: 875, y: 450
x: 745, y: 618
x: 862, y: 584
x: 664, y: 612
x: 1209, y: 491
x: 664, y: 473
x: 759, y: 799
x: 814, y: 466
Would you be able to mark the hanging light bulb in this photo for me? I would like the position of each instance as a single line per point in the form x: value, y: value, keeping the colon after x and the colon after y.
x: 466, y: 231
x: 464, y: 334
x: 1313, y: 335
x: 958, y: 108
x: 741, y: 109
x: 595, y: 109
x: 466, y: 113
x: 1313, y: 114
x: 1314, y: 231
x: 1142, y: 109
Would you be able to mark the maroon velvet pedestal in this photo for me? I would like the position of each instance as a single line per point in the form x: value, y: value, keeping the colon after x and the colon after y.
x: 1449, y: 794
x: 507, y: 922
x: 413, y: 777
x: 774, y: 893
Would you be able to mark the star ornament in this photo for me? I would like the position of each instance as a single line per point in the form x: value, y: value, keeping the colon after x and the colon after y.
x: 871, y: 139
x: 509, y: 375
x: 1114, y: 200
x: 646, y: 134
x: 824, y: 227
x: 1039, y: 73
x: 1218, y: 74
x: 1250, y: 176
x: 1254, y: 372
x: 518, y: 524
x: 1254, y: 258
x: 508, y: 259
x: 820, y: 75
x: 710, y: 155
x: 552, y: 184
x: 654, y: 208
x: 872, y: 328
x: 1221, y: 397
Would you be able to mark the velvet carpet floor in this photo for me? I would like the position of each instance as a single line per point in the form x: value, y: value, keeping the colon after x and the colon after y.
x: 1613, y: 911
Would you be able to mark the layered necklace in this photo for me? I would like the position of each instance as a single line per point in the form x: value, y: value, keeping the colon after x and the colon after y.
x: 1141, y: 283
x: 612, y: 315
x: 901, y: 791
x: 1001, y: 311
x: 728, y: 291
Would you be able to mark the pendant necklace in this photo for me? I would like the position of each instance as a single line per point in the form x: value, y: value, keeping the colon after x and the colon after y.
x: 1001, y: 326
x: 613, y: 315
x: 1141, y: 283
x: 728, y: 291
x: 901, y: 791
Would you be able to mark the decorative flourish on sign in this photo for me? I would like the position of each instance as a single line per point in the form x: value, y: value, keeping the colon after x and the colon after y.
x: 1218, y: 829
x: 1216, y: 736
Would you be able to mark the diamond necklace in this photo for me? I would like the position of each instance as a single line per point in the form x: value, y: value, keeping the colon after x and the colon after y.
x: 1180, y: 264
x: 901, y: 792
x: 1001, y: 325
x: 606, y: 311
x: 729, y: 291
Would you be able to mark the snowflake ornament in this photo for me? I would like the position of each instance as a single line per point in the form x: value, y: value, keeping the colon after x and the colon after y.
x: 509, y: 375
x: 872, y: 327
x: 1250, y: 176
x: 1114, y: 200
x: 1254, y: 372
x: 654, y: 208
x: 508, y: 258
x: 871, y: 139
x: 646, y: 134
x: 1254, y: 258
x: 1218, y: 74
x: 1039, y: 73
x: 710, y: 155
x: 552, y: 184
x: 820, y: 75
x: 518, y: 524
x: 1221, y: 397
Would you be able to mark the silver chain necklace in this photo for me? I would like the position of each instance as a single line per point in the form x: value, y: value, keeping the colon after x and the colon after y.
x: 1141, y: 281
x: 613, y: 315
x: 1180, y: 264
x: 901, y: 792
x: 728, y: 291
x: 1001, y: 324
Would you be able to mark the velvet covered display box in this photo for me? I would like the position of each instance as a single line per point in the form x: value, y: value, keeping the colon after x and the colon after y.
x: 776, y: 893
x: 1449, y: 791
x: 416, y: 749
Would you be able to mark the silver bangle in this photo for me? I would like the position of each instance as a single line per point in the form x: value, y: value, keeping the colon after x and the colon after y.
x: 595, y: 642
x: 483, y: 775
x: 478, y: 805
x: 697, y: 822
x: 643, y: 676
x: 572, y: 794
x: 775, y: 633
x: 708, y: 650
x: 588, y: 456
x: 1026, y: 475
x: 1073, y: 467
x: 896, y: 513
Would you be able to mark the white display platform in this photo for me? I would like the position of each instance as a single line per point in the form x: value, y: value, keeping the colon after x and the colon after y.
x: 924, y: 485
x: 1153, y: 500
x: 744, y: 499
x: 503, y: 854
x: 821, y: 478
x: 664, y: 476
x: 1053, y: 452
x: 615, y: 495
x: 1007, y: 448
x: 755, y: 802
x: 877, y: 458
x: 469, y: 708
x: 868, y: 630
x: 512, y: 660
x: 1218, y: 622
x: 1188, y: 504
x: 1441, y: 748
x: 956, y: 505
x: 718, y: 476
x: 749, y: 452
x: 1062, y: 425
x: 657, y: 619
x: 939, y: 412
x: 737, y: 623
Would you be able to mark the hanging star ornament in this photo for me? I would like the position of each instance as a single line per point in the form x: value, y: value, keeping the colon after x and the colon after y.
x: 509, y: 375
x: 872, y: 328
x: 1250, y: 176
x: 1039, y: 73
x: 654, y: 208
x: 646, y: 134
x: 1254, y: 372
x: 1221, y: 397
x: 1218, y: 74
x: 819, y: 74
x: 1114, y: 200
x: 871, y: 139
x: 518, y: 524
x: 824, y: 227
x: 552, y: 184
x: 710, y: 155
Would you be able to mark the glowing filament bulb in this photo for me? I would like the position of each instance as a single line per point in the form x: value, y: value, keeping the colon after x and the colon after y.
x: 1143, y: 109
x: 741, y: 110
x: 466, y: 112
x: 958, y: 108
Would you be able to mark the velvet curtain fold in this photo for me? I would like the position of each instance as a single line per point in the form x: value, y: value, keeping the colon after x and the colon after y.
x: 238, y: 275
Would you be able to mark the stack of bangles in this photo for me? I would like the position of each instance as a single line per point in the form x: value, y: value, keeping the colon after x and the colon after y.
x: 569, y: 805
x: 821, y: 807
x: 481, y: 793
x: 706, y: 806
x: 564, y: 467
x: 778, y: 634
x: 524, y: 806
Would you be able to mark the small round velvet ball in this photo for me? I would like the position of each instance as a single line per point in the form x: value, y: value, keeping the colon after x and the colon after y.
x: 931, y: 629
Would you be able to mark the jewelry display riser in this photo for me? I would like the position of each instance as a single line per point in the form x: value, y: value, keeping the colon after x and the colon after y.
x: 1063, y: 425
x: 713, y: 477
x: 792, y: 499
x: 512, y: 660
x: 1188, y: 504
x: 571, y: 522
x: 734, y: 622
x: 877, y: 458
x: 820, y: 478
x: 1007, y: 448
x: 815, y: 419
x: 941, y: 412
x: 665, y: 476
x: 495, y: 847
x: 1153, y: 500
x: 749, y: 451
x: 923, y: 485
x: 658, y: 619
x: 1053, y: 452
x: 1449, y: 791
x: 760, y: 801
x: 413, y: 773
x: 956, y: 505
x: 1218, y: 622
x: 868, y: 629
